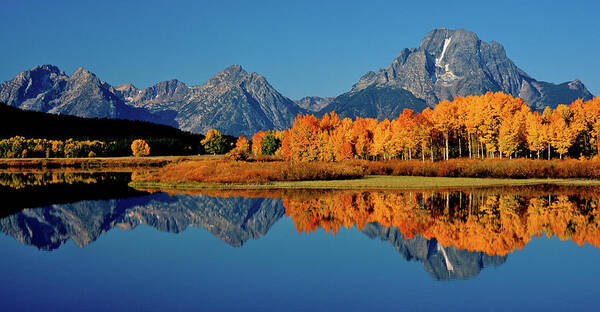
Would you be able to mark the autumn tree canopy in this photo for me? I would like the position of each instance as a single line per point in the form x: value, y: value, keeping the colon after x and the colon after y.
x: 492, y: 125
x: 214, y: 142
x: 140, y: 148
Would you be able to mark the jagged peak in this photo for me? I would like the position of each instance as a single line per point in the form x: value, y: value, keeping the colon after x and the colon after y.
x: 47, y: 67
x: 436, y: 37
x: 576, y: 85
x: 435, y: 41
x: 231, y: 74
x: 234, y: 69
x: 81, y: 71
x: 167, y: 83
x: 83, y: 74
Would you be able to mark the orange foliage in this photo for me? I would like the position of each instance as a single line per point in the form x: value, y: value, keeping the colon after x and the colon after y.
x: 492, y: 125
x: 257, y: 139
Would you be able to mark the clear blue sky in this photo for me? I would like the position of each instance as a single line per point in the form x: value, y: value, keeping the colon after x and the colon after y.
x: 302, y: 47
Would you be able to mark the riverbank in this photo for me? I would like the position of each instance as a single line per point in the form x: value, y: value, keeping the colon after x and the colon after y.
x: 98, y: 163
x: 367, y: 182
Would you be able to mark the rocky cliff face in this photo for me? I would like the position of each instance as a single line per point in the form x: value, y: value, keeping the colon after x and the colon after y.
x: 233, y: 101
x: 451, y: 63
x: 233, y: 220
x: 236, y: 102
x: 443, y: 263
x: 164, y: 95
x: 47, y: 89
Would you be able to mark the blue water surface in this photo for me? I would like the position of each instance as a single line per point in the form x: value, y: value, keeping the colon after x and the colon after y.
x: 147, y: 269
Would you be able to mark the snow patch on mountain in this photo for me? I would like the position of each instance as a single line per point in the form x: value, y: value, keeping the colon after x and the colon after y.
x: 438, y: 61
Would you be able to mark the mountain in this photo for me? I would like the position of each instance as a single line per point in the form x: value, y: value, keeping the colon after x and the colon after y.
x: 314, y: 103
x: 47, y: 89
x: 447, y: 64
x: 161, y: 101
x: 233, y: 101
x: 236, y: 102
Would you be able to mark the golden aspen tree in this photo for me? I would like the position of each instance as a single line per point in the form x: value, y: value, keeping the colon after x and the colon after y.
x: 382, y: 137
x: 140, y: 148
x: 536, y: 138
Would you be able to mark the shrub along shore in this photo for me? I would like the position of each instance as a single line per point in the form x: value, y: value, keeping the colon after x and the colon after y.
x: 99, y: 163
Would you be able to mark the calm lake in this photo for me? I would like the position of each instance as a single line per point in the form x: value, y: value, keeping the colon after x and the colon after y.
x: 85, y: 241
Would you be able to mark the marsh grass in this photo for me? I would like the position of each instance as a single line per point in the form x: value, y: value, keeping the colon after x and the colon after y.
x: 225, y: 171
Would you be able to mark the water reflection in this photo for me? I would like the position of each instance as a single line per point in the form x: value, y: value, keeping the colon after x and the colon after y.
x: 32, y: 189
x: 233, y: 220
x: 453, y: 233
x: 442, y: 263
x: 494, y: 221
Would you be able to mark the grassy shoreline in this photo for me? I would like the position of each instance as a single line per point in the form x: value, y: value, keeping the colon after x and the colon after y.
x: 367, y: 182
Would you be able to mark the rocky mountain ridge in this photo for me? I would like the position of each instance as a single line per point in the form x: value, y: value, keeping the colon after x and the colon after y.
x: 233, y: 101
x: 447, y: 63
x: 450, y: 63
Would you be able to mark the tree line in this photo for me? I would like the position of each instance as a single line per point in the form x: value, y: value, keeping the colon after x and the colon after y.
x: 163, y: 139
x: 20, y: 147
x: 492, y: 125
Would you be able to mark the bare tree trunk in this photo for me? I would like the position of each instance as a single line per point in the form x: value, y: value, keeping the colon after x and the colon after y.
x: 470, y: 147
x: 447, y: 153
x: 431, y: 147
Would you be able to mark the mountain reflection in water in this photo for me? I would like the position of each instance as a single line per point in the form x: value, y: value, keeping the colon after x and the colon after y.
x: 453, y: 233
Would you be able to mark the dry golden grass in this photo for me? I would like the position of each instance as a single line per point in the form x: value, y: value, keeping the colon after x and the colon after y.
x: 524, y: 172
x: 223, y: 171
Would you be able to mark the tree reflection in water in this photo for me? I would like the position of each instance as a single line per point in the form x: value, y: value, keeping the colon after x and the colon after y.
x: 454, y: 233
x: 494, y: 221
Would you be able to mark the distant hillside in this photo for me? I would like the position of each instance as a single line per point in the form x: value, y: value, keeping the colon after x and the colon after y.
x: 30, y: 124
x: 374, y: 102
